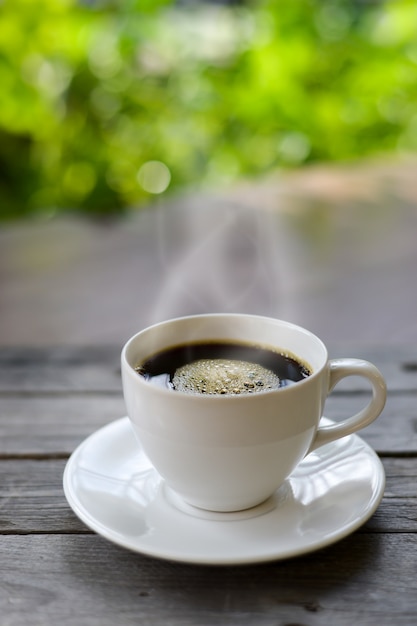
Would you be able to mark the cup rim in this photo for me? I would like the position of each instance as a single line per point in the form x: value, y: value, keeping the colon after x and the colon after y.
x: 128, y: 367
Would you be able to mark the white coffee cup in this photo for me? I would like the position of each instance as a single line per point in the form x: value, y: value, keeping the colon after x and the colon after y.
x: 231, y: 452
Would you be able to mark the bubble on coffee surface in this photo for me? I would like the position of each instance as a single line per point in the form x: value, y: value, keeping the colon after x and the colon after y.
x: 224, y: 377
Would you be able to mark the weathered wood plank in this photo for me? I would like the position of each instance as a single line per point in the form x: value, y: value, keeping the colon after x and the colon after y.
x: 97, y: 368
x: 32, y: 498
x: 90, y: 368
x: 394, y: 431
x: 56, y: 424
x: 48, y: 424
x: 85, y: 580
x: 398, y: 364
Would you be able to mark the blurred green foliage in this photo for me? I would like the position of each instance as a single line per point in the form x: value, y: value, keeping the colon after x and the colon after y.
x: 103, y: 105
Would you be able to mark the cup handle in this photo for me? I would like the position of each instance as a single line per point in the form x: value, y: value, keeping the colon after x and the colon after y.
x: 341, y: 368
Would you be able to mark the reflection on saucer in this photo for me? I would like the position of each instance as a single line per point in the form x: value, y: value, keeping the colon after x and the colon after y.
x: 277, y: 499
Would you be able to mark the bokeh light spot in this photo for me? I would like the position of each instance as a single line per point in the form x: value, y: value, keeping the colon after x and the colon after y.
x: 294, y: 147
x: 154, y: 177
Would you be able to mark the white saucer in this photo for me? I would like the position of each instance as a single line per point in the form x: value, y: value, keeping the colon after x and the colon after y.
x: 113, y: 488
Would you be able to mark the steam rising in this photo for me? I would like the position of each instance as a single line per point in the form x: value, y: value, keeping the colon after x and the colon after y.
x: 219, y: 257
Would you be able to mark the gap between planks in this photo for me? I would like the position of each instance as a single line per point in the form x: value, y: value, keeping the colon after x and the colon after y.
x: 62, y: 456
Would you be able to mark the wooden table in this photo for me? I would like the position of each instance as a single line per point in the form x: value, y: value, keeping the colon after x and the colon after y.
x: 55, y: 571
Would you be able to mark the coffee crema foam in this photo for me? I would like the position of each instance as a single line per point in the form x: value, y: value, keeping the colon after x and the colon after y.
x: 224, y: 376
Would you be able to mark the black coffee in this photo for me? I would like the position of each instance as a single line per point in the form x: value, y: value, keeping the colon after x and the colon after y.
x: 222, y: 368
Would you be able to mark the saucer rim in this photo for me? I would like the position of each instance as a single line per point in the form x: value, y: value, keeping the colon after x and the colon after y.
x: 168, y: 554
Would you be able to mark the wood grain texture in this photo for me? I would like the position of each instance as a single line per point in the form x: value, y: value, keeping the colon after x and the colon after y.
x: 54, y: 570
x: 97, y: 368
x: 85, y: 580
x: 86, y: 369
x: 48, y: 423
x: 32, y: 498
